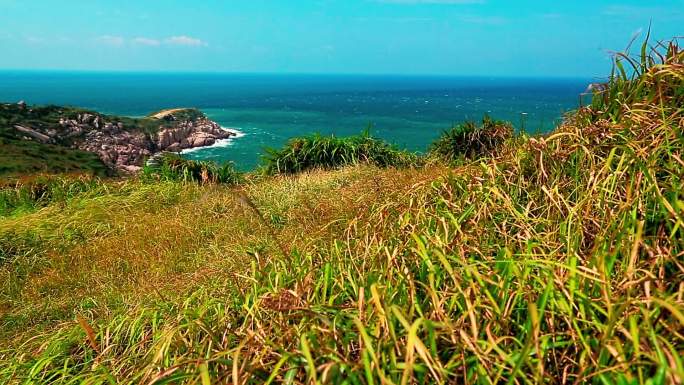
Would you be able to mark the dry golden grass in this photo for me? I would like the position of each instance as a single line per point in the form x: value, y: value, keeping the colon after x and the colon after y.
x: 150, y: 241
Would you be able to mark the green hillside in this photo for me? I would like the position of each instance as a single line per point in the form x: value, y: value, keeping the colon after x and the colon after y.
x: 497, y: 258
x: 20, y: 157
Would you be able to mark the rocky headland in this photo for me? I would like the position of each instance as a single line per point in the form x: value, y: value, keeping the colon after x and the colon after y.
x: 121, y: 143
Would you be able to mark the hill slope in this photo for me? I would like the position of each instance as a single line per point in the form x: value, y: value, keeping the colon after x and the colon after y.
x: 558, y: 259
x: 21, y: 157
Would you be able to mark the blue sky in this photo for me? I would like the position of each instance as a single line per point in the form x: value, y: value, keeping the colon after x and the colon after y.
x: 457, y: 37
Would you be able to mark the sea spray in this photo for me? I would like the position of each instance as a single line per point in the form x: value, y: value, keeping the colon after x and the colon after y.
x: 220, y: 142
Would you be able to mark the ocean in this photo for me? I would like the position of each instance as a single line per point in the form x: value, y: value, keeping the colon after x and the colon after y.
x: 268, y: 109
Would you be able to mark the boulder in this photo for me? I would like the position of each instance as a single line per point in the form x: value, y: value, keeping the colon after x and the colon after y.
x: 131, y: 169
x: 175, y: 147
x: 34, y: 134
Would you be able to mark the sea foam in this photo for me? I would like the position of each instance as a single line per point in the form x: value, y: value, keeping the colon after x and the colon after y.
x: 220, y: 142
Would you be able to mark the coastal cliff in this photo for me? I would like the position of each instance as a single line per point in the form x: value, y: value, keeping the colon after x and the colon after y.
x: 121, y: 143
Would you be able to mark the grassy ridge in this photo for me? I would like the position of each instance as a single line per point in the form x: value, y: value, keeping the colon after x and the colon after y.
x: 21, y: 157
x: 553, y: 259
x: 38, y: 117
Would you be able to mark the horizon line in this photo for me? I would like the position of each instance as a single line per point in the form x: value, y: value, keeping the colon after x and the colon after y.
x: 270, y: 73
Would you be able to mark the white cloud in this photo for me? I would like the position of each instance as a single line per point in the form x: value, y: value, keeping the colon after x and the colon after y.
x: 119, y: 41
x: 111, y: 40
x: 186, y: 40
x: 146, y: 41
x: 394, y: 19
x: 35, y: 40
x: 489, y: 20
x: 38, y: 40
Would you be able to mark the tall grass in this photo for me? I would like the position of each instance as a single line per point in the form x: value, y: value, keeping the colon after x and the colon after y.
x: 27, y: 195
x: 653, y: 77
x: 558, y: 259
x: 331, y: 152
x: 172, y: 167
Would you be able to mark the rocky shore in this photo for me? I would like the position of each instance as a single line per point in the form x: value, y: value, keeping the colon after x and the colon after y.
x: 126, y: 150
x: 125, y: 143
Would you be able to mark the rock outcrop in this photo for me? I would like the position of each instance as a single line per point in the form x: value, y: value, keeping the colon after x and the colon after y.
x: 33, y: 134
x: 189, y: 134
x: 118, y: 148
x: 124, y: 145
x: 127, y: 150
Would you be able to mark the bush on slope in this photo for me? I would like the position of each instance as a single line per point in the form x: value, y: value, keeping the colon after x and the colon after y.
x: 469, y: 140
x: 172, y: 167
x: 329, y: 152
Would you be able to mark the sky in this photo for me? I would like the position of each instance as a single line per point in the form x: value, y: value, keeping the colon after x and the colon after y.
x: 569, y: 38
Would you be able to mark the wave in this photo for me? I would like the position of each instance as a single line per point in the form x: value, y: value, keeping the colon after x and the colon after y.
x: 220, y: 142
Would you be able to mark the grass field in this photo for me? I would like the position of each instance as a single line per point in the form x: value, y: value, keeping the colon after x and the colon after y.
x: 554, y: 259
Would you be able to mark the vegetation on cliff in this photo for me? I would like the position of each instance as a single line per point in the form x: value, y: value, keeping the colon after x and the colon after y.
x: 554, y: 259
x: 54, y: 140
x: 48, y: 118
x: 23, y: 157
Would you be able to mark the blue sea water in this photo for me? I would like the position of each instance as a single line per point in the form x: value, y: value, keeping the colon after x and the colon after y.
x: 409, y: 111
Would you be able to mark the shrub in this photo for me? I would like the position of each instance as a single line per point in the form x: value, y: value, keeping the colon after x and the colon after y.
x: 470, y: 140
x: 330, y: 152
x: 176, y: 168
